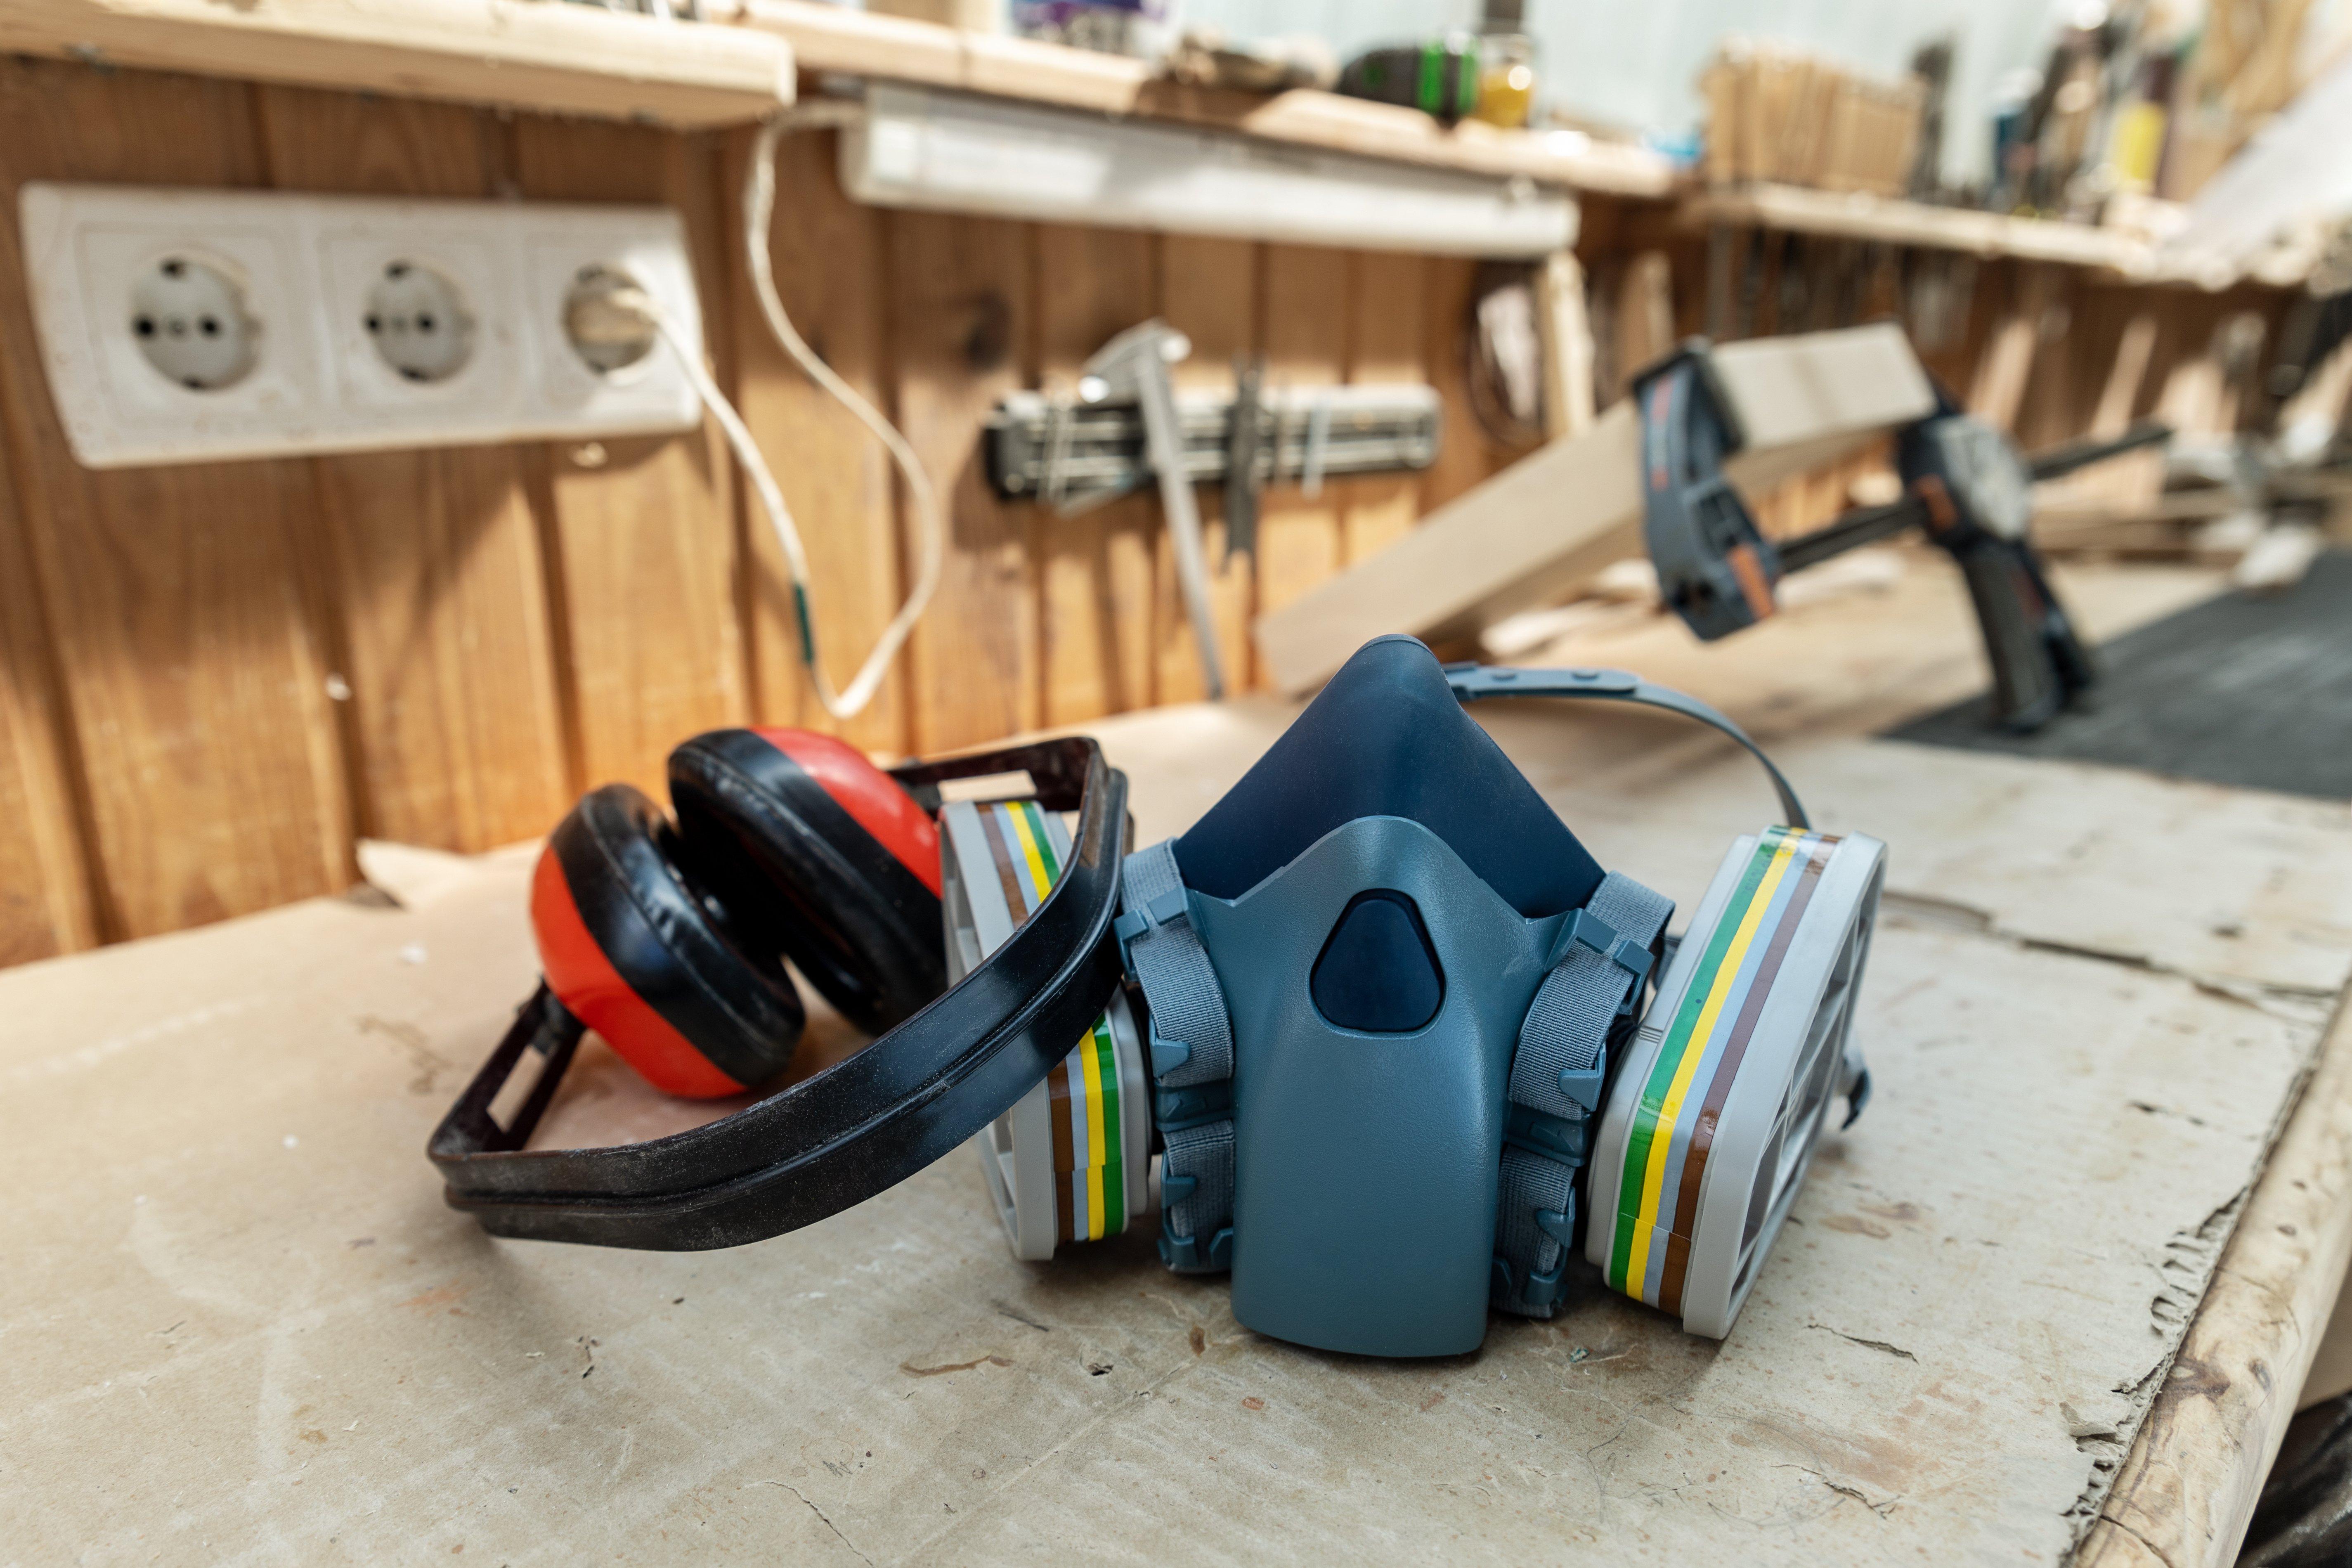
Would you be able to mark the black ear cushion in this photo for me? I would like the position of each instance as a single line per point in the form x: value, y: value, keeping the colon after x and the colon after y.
x: 799, y: 873
x: 667, y: 941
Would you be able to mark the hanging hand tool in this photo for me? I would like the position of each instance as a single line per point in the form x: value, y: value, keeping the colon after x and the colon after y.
x: 1964, y: 483
x: 1134, y: 365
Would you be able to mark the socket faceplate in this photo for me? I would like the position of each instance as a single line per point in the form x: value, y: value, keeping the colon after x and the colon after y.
x: 310, y: 268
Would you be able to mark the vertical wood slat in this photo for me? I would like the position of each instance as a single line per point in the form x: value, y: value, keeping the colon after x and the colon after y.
x: 1305, y: 336
x: 1386, y: 342
x: 960, y: 301
x: 1094, y: 569
x: 184, y: 601
x: 836, y: 477
x: 433, y: 557
x: 1464, y: 454
x: 1208, y: 291
x: 641, y: 532
x: 46, y: 904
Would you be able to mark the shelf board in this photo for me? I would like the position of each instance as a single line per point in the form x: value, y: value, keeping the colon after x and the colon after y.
x: 829, y: 39
x: 516, y: 54
x: 1856, y: 216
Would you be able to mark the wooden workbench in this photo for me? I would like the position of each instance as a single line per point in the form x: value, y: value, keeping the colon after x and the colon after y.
x: 239, y: 1325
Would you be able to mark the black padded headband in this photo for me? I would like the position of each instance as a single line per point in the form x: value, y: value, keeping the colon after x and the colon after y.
x: 864, y: 1124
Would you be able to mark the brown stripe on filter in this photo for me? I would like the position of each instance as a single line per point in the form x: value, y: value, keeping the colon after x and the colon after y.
x: 1066, y: 1148
x: 1008, y: 870
x: 1066, y: 1207
x: 1718, y: 1089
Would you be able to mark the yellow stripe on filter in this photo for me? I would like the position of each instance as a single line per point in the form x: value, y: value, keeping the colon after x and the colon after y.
x: 1038, y: 878
x: 1098, y: 1148
x: 1653, y: 1175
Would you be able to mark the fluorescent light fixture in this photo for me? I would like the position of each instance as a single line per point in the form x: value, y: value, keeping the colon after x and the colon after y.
x: 949, y: 151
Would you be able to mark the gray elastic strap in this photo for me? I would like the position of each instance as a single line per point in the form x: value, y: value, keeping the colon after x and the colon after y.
x: 1188, y: 1014
x: 1565, y: 1033
x: 1473, y: 681
x: 1188, y: 1005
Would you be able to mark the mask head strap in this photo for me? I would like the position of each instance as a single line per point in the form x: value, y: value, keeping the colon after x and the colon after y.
x: 1472, y: 682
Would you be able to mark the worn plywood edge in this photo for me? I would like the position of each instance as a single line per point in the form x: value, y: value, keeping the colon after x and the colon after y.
x: 555, y: 58
x: 2219, y: 1406
x: 833, y: 38
x: 1530, y: 534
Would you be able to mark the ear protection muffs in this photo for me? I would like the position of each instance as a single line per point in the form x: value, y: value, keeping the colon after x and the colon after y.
x: 833, y: 1140
x: 819, y: 854
x: 669, y: 942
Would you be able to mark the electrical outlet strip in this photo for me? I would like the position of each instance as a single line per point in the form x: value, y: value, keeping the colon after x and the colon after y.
x: 181, y: 325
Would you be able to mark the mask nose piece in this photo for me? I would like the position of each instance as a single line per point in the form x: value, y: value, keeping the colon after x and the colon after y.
x: 1378, y: 972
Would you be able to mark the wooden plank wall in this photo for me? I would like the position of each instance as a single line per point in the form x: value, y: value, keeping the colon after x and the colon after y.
x: 216, y: 679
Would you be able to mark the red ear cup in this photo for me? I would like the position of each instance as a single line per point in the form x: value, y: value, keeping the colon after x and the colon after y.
x: 637, y: 950
x: 819, y: 853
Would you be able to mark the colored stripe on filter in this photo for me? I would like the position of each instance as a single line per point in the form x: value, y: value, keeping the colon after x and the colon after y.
x: 1089, y: 1174
x: 1672, y: 1123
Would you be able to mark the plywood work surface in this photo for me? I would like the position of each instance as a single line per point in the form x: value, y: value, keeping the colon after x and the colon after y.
x: 242, y: 1327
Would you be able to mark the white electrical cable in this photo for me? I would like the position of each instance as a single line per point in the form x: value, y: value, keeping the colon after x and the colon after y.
x: 759, y: 207
x: 931, y: 532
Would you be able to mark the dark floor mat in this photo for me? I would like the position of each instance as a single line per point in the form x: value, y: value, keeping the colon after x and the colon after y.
x: 2249, y: 689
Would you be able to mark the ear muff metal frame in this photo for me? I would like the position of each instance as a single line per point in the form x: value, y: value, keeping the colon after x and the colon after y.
x: 859, y: 1126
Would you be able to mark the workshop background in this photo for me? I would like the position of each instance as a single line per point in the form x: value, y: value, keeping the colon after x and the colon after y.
x: 220, y: 680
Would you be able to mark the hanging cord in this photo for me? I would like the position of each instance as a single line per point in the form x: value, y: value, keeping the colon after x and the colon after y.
x: 631, y: 301
x: 931, y: 532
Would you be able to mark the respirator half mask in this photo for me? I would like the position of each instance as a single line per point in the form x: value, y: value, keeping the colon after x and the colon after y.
x: 1399, y: 1044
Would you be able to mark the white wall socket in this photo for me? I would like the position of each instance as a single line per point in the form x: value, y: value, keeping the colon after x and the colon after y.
x: 183, y: 325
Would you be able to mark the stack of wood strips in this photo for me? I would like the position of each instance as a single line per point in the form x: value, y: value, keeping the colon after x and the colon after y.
x: 1777, y: 115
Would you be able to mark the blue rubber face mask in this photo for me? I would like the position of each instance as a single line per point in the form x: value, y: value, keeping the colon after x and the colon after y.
x: 1387, y: 1017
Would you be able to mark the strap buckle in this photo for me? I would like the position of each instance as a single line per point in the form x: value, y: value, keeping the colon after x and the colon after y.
x: 1197, y: 1255
x: 1173, y: 1109
x: 1558, y: 1138
x: 1166, y: 909
x: 1588, y: 930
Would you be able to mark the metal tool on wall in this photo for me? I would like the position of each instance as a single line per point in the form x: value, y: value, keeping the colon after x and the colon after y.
x: 1133, y: 366
x: 1128, y: 425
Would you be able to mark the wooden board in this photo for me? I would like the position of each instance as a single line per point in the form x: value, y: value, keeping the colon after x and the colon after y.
x: 1210, y: 290
x: 834, y: 38
x: 960, y: 315
x: 434, y: 559
x: 541, y: 57
x: 1094, y: 569
x: 1387, y: 341
x: 837, y: 479
x: 185, y: 605
x: 640, y: 532
x: 45, y: 886
x: 281, y: 1342
x: 1300, y: 538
